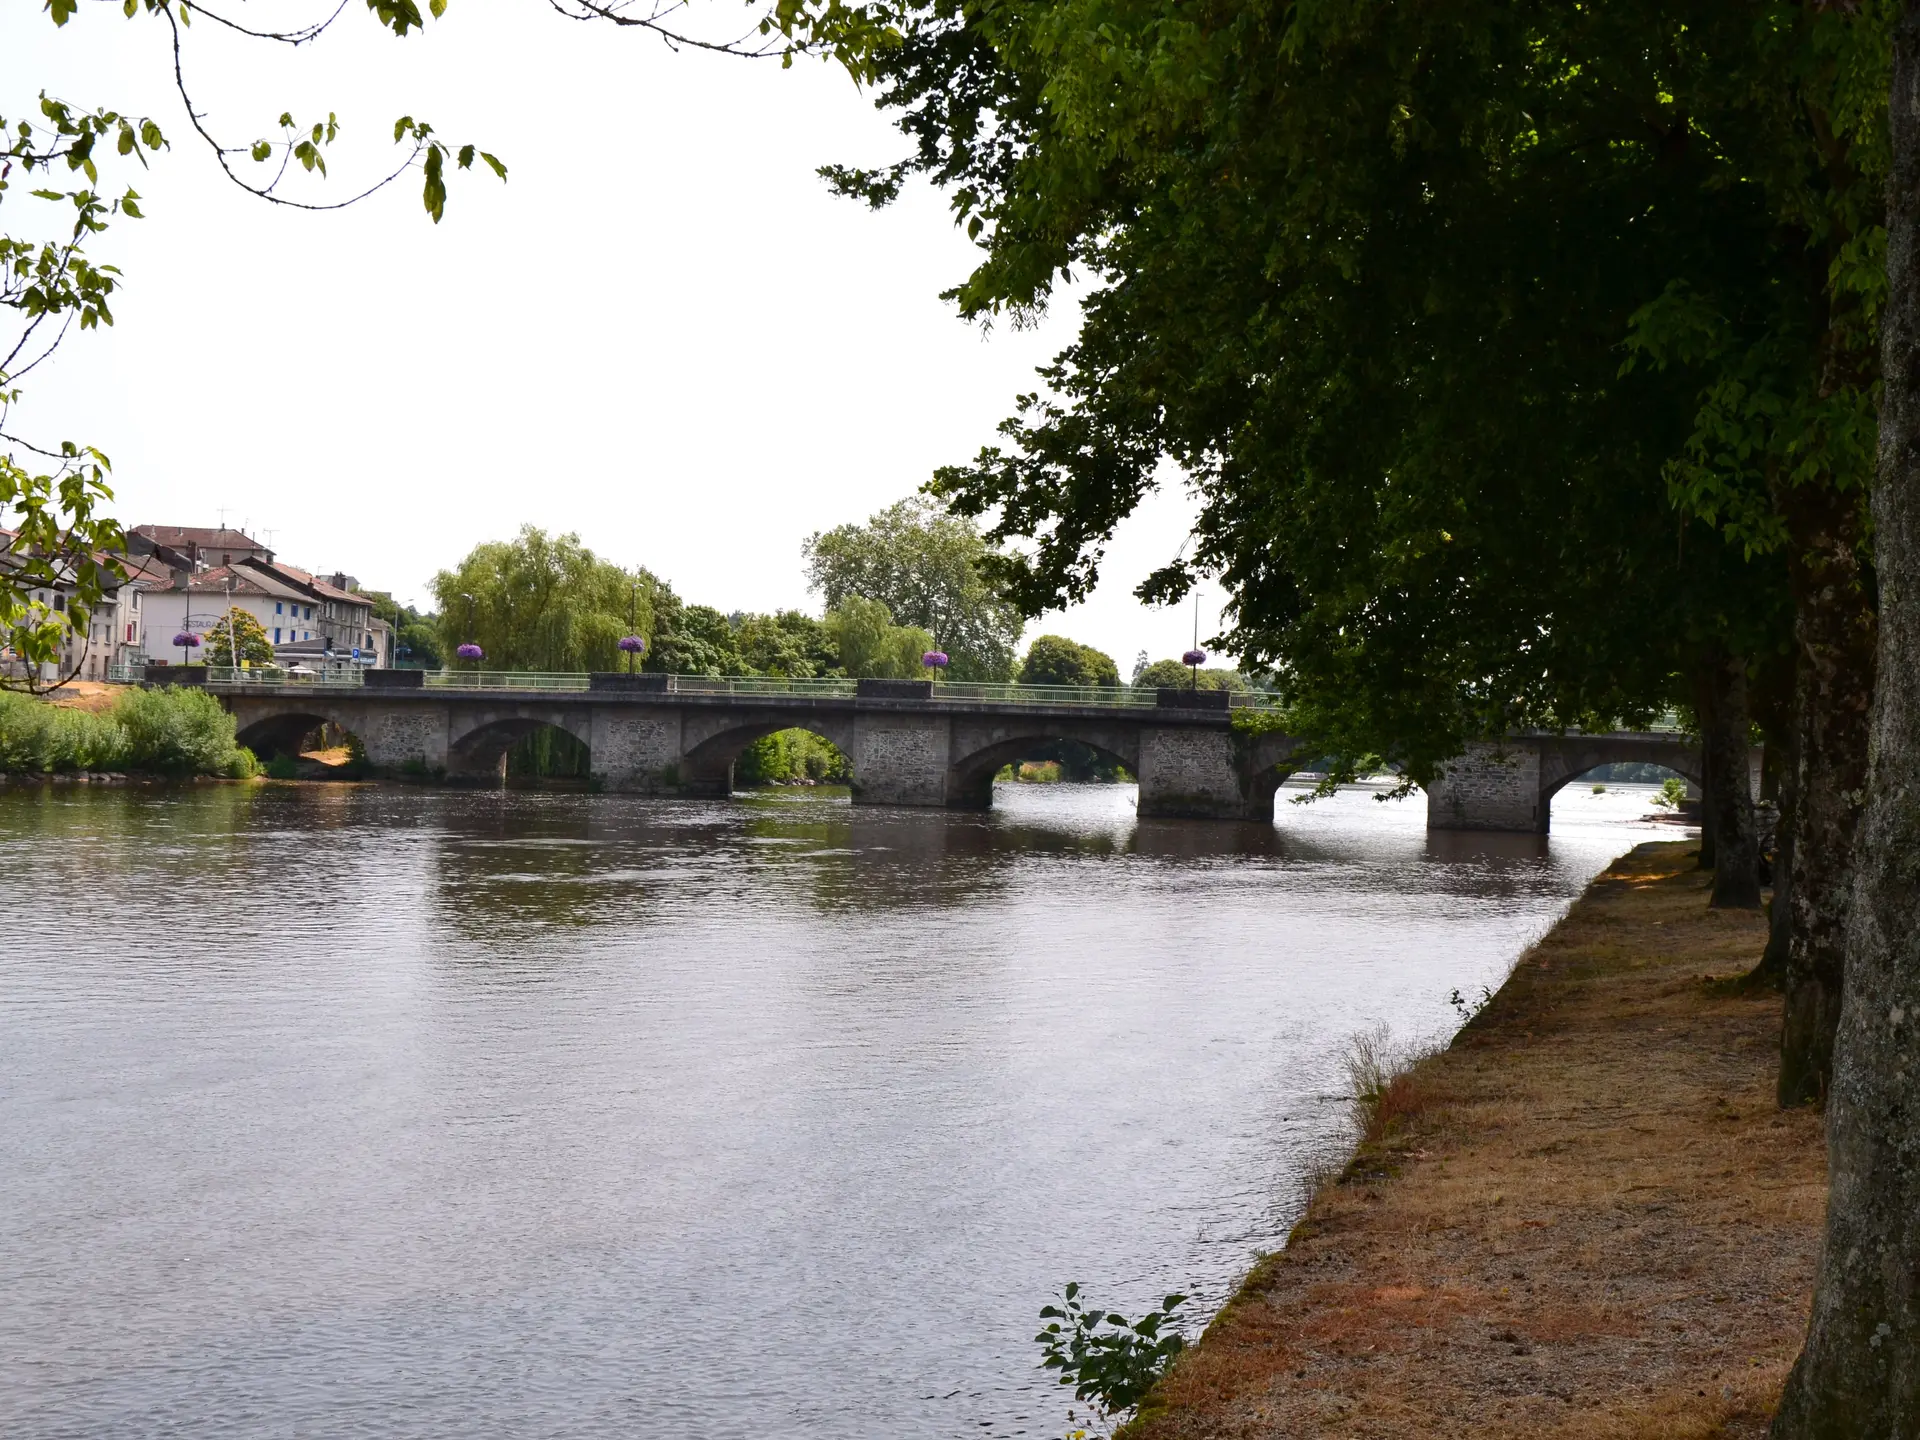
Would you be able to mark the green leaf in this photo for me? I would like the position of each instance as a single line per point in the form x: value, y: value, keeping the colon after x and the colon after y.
x: 494, y: 165
x: 434, y: 191
x: 261, y: 150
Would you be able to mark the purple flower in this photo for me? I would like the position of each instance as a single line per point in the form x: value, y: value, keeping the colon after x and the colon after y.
x: 935, y: 660
x: 633, y: 644
x: 1194, y: 657
x: 186, y: 641
x: 471, y: 651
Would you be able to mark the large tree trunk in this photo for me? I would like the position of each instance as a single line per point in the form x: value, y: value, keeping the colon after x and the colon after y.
x: 1833, y: 690
x: 1727, y: 803
x: 1859, y: 1375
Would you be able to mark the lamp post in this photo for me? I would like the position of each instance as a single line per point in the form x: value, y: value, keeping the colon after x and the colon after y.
x: 462, y: 650
x: 633, y: 645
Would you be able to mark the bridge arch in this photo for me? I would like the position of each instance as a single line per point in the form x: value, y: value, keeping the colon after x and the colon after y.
x: 1569, y: 760
x: 1264, y: 762
x: 707, y: 768
x: 478, y: 749
x: 283, y: 732
x: 978, y: 758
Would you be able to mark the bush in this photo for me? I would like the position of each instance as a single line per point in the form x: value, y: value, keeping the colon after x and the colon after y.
x: 283, y: 767
x: 1109, y: 1360
x: 176, y: 731
x: 39, y: 738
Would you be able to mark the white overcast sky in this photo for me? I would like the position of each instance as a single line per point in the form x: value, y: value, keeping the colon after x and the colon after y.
x: 663, y: 333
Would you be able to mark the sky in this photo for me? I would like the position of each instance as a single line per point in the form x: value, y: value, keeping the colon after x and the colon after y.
x: 662, y: 333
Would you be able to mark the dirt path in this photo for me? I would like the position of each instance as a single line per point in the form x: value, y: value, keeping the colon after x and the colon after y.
x: 1592, y: 1223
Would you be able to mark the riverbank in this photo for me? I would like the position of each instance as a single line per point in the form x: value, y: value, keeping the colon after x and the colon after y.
x: 1585, y: 1219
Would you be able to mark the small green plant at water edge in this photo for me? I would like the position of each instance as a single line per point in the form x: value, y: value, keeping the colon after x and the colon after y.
x: 282, y: 767
x: 1673, y: 791
x: 1598, y: 788
x: 1110, y: 1361
x: 1467, y: 1009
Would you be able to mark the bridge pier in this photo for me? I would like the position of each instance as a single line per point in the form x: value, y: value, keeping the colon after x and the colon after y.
x: 1490, y: 787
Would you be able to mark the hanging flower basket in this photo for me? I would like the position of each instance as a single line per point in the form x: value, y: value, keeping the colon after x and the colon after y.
x: 470, y: 651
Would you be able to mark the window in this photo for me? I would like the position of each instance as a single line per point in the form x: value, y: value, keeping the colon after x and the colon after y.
x: 60, y: 602
x: 276, y: 634
x: 277, y: 607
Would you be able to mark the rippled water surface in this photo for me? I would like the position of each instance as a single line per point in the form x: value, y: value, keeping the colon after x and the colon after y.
x: 351, y: 1111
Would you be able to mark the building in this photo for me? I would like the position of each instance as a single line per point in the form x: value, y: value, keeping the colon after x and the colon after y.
x: 189, y: 575
x: 309, y: 621
x: 92, y: 647
x: 203, y: 547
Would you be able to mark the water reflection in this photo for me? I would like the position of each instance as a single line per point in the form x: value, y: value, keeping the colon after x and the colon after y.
x: 402, y: 1113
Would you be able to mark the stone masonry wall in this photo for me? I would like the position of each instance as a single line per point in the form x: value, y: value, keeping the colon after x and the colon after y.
x: 1489, y: 788
x: 1189, y: 771
x: 901, y: 759
x: 635, y: 749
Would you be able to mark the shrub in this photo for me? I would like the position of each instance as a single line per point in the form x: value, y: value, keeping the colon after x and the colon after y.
x: 176, y: 731
x: 1109, y: 1360
x: 37, y: 738
x: 282, y: 767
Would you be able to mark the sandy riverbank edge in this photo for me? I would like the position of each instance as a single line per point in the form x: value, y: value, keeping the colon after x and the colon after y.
x: 1587, y: 1218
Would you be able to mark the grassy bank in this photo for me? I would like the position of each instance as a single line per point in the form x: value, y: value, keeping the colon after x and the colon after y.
x: 1584, y: 1219
x: 171, y: 732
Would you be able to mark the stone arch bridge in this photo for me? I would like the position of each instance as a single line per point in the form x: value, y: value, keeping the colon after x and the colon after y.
x: 905, y: 746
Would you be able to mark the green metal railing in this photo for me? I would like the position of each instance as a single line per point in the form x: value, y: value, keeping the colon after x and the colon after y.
x: 745, y: 686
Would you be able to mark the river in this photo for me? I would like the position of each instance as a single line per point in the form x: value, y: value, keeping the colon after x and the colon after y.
x: 360, y: 1111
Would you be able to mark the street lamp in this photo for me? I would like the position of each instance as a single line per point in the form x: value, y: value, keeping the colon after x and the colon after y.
x: 634, y: 646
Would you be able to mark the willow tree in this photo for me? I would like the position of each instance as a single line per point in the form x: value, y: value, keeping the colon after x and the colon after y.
x: 546, y: 602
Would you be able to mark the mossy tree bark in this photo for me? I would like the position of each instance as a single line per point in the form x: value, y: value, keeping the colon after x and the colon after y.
x: 1834, y: 624
x: 1772, y: 969
x: 1859, y: 1374
x: 1727, y: 797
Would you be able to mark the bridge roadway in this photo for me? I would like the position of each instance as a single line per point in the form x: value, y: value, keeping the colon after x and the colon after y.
x: 905, y: 745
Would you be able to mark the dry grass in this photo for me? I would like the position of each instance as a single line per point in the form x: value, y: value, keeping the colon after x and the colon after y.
x: 1585, y: 1219
x: 93, y: 695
